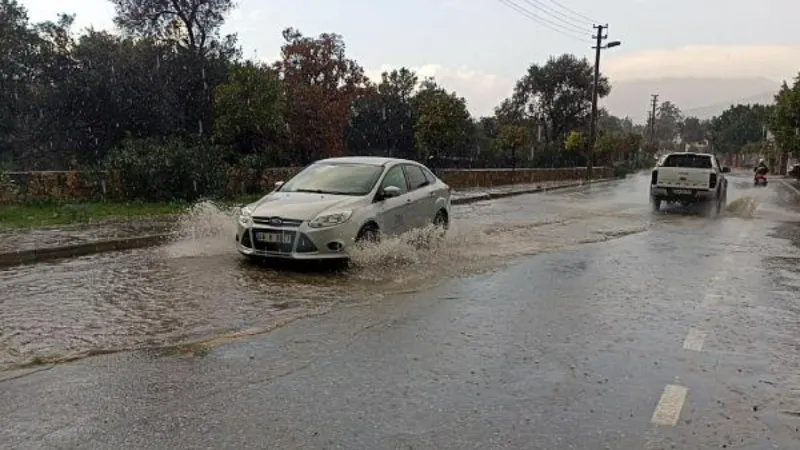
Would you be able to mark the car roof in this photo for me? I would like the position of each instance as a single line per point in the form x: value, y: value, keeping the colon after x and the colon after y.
x: 369, y: 160
x: 689, y: 153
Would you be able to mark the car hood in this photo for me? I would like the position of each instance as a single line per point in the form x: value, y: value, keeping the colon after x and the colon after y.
x: 301, y: 205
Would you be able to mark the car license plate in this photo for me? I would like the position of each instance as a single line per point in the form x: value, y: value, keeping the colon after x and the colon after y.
x: 682, y: 191
x: 273, y: 238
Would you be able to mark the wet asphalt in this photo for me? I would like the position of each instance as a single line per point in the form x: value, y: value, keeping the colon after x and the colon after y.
x: 609, y: 328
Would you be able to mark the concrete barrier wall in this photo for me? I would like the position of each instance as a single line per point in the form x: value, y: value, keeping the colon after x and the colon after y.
x: 64, y: 186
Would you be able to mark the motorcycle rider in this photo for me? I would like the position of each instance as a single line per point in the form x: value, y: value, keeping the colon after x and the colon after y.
x: 761, y: 168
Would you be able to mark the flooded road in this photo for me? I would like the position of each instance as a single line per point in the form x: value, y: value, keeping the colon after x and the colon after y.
x: 572, y: 320
x: 199, y: 289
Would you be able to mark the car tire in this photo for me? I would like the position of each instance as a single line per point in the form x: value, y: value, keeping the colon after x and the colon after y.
x: 655, y: 204
x: 369, y: 234
x: 441, y: 221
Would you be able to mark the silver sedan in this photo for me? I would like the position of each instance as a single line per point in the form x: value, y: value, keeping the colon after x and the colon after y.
x: 334, y: 203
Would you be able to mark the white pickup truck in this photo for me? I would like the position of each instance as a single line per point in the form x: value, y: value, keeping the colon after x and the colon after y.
x: 689, y: 178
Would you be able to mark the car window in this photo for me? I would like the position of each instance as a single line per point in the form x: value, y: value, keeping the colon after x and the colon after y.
x: 429, y: 175
x: 395, y: 177
x: 416, y: 179
x: 341, y: 179
x: 688, y: 160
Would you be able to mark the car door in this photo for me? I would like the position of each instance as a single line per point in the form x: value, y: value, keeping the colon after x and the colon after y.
x: 423, y: 199
x: 392, y: 213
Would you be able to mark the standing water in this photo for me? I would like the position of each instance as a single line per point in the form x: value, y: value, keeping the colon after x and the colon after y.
x: 198, y: 288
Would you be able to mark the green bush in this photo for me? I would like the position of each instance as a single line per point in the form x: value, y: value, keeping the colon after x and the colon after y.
x: 165, y: 170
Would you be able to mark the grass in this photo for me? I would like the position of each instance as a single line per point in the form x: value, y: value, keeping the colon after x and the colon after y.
x: 48, y: 214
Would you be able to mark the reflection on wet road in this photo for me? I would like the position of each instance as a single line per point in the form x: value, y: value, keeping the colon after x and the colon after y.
x: 199, y: 288
x: 577, y: 319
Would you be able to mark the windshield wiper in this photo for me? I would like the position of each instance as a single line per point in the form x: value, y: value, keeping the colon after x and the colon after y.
x: 320, y: 191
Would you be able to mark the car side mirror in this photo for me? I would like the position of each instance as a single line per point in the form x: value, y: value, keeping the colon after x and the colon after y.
x: 389, y: 192
x: 726, y: 170
x: 278, y: 184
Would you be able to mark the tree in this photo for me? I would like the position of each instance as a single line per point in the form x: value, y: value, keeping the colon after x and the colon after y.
x: 20, y: 68
x: 558, y: 95
x: 785, y: 120
x: 442, y: 125
x: 512, y: 139
x: 190, y: 24
x: 614, y: 147
x: 192, y: 27
x: 382, y: 121
x: 608, y: 123
x: 322, y: 85
x: 249, y: 108
x: 737, y: 126
x: 694, y: 130
x: 575, y: 141
x: 668, y: 124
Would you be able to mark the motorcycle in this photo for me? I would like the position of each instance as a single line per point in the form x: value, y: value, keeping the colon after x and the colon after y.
x: 760, y: 179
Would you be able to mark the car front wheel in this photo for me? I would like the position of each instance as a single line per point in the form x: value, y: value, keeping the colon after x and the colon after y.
x: 441, y: 221
x: 369, y: 234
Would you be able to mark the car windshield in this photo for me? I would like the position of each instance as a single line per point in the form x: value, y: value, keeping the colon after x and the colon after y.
x: 339, y: 179
x: 691, y: 161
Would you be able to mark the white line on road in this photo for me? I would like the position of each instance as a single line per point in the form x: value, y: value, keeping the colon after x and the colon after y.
x: 694, y: 340
x: 668, y: 410
x: 712, y: 299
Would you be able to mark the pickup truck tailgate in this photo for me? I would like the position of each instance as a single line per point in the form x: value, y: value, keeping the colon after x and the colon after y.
x: 683, y: 177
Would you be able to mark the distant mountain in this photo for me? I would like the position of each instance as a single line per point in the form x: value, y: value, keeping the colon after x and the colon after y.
x: 695, y: 96
x: 710, y: 111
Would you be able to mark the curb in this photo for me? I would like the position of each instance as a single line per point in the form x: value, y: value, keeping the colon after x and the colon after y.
x: 489, y: 196
x: 22, y: 257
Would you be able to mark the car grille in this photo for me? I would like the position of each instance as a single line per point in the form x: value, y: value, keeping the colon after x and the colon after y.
x: 287, y: 223
x: 275, y: 247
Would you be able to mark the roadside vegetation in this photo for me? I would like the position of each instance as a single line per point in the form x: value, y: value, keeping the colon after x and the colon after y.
x: 47, y: 214
x: 163, y: 116
x: 52, y: 213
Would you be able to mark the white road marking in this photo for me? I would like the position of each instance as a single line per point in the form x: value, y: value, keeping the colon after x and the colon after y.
x: 694, y: 340
x: 712, y: 299
x: 668, y: 410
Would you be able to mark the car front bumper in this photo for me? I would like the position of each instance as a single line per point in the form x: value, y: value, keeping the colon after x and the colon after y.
x: 295, y: 242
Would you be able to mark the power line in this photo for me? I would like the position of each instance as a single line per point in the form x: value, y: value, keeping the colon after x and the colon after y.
x: 558, y: 15
x: 573, y: 12
x: 543, y: 22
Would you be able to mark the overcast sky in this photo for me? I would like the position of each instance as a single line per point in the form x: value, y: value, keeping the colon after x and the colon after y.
x: 480, y: 47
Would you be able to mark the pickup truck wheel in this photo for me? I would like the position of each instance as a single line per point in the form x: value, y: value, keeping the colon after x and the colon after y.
x: 655, y: 204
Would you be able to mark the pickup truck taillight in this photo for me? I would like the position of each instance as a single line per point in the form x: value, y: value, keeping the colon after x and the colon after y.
x: 712, y: 181
x: 654, y: 178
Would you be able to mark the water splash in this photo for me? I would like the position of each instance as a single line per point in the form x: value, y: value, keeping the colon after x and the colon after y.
x: 744, y: 207
x: 206, y: 229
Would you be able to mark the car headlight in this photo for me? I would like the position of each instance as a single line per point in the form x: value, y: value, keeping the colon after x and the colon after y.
x: 330, y: 219
x: 246, y: 217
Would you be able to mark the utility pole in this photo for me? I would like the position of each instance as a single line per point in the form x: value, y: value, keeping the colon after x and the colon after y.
x: 599, y: 38
x: 653, y: 105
